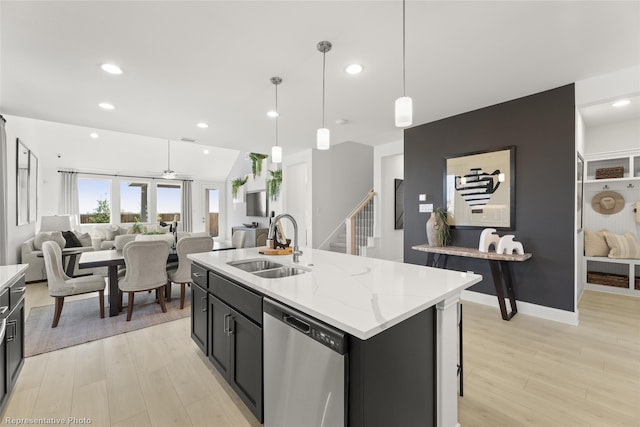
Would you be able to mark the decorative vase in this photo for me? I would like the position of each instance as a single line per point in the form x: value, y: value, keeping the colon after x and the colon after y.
x: 432, y: 231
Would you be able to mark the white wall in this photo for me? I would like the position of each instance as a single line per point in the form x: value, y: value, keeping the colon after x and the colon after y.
x: 342, y: 177
x: 388, y: 164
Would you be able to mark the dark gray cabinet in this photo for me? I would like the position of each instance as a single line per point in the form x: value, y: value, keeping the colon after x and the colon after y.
x: 199, y: 321
x: 12, y: 346
x: 226, y: 324
x: 220, y: 345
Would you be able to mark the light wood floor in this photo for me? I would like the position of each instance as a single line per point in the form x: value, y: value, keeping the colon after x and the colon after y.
x: 526, y: 372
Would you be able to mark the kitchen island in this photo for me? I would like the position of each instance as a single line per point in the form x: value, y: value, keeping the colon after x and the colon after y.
x: 397, y: 317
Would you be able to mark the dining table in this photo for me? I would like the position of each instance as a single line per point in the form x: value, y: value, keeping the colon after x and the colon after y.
x: 114, y: 258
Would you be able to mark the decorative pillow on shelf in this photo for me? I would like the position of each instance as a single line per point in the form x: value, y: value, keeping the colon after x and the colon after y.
x: 44, y: 236
x: 595, y: 244
x: 71, y: 241
x: 625, y: 246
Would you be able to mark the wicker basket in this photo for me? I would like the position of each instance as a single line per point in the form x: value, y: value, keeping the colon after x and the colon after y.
x: 617, y: 280
x: 615, y: 172
x: 638, y: 283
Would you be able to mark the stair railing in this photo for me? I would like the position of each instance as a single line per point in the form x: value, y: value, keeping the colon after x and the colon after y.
x: 360, y: 224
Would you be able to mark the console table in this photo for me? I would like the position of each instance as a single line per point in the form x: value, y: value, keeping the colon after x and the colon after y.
x: 500, y: 269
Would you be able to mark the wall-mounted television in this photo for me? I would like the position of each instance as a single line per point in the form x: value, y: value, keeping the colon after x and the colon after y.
x: 256, y: 202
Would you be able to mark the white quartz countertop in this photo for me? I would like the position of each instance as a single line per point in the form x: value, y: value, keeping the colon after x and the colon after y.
x: 361, y: 296
x: 10, y: 273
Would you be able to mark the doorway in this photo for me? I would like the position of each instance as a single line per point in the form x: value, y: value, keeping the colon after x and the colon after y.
x: 212, y: 211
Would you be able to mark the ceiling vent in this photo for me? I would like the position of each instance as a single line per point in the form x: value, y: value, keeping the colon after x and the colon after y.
x: 185, y: 139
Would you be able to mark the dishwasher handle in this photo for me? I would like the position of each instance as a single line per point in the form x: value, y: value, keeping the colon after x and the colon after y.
x: 296, y: 323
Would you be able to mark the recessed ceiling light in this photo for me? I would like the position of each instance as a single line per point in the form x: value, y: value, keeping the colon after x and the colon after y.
x: 106, y: 106
x: 202, y: 125
x: 111, y: 68
x: 272, y: 114
x: 94, y: 135
x: 205, y: 151
x: 621, y: 103
x: 354, y: 69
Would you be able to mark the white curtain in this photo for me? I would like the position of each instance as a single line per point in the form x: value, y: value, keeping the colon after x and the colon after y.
x: 68, y: 204
x: 3, y: 194
x: 187, y: 209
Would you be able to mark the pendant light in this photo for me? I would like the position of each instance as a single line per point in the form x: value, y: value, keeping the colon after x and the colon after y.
x: 276, y: 150
x: 323, y: 137
x: 404, y: 104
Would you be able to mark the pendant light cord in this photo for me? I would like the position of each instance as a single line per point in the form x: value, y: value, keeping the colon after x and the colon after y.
x: 277, y: 114
x: 404, y: 88
x: 323, y: 68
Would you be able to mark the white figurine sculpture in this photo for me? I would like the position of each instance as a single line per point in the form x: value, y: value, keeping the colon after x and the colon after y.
x: 487, y: 238
x: 506, y: 245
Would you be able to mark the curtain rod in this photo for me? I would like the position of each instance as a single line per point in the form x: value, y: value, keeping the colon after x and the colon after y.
x: 125, y: 176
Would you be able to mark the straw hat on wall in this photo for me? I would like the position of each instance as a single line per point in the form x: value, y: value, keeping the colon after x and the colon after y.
x: 607, y: 202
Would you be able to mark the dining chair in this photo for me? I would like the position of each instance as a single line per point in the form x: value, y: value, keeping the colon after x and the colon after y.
x: 146, y: 270
x: 238, y: 239
x: 60, y: 285
x: 185, y: 246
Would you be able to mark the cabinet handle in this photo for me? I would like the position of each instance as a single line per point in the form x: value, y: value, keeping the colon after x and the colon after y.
x: 11, y: 336
x: 231, y: 319
x: 203, y: 304
x: 3, y: 310
x: 19, y: 290
x: 225, y: 323
x: 196, y: 275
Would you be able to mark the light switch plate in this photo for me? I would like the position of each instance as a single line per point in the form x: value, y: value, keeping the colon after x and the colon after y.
x: 422, y: 197
x: 425, y: 207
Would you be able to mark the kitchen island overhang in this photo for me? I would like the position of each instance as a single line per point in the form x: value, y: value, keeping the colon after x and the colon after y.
x: 365, y: 297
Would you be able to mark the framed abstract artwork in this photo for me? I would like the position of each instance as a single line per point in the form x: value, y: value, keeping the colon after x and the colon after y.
x: 479, y: 189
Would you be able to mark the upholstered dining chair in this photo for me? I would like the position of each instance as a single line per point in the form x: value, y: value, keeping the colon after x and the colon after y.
x: 238, y: 239
x: 60, y: 285
x: 185, y: 246
x: 146, y: 270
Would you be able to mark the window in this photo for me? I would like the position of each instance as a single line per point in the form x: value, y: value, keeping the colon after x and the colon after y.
x: 168, y: 202
x: 134, y: 202
x: 94, y: 199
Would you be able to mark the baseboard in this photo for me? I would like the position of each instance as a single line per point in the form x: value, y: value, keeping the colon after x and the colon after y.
x: 535, y: 310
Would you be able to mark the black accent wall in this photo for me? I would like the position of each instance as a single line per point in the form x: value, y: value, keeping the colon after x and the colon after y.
x: 542, y: 127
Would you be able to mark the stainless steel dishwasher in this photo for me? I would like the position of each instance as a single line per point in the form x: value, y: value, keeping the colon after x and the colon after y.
x: 305, y: 370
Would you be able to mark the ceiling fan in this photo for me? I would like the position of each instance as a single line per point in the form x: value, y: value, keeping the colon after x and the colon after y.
x: 169, y: 173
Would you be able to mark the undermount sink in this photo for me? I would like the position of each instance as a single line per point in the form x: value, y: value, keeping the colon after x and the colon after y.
x: 266, y: 268
x: 279, y: 272
x: 251, y: 265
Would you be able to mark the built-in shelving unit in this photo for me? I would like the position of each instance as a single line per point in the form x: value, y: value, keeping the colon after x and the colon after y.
x: 620, y: 276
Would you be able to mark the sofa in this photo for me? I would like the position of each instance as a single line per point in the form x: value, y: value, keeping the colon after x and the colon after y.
x: 33, y: 247
x: 103, y: 237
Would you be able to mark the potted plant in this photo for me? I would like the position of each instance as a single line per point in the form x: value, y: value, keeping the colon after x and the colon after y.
x: 274, y: 184
x: 438, y: 229
x: 236, y: 184
x: 256, y: 163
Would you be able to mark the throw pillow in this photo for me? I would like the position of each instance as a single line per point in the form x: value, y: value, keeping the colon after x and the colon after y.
x: 40, y: 239
x: 98, y: 232
x: 595, y: 243
x: 110, y: 234
x: 71, y: 241
x: 623, y: 246
x: 56, y: 236
x: 84, y: 238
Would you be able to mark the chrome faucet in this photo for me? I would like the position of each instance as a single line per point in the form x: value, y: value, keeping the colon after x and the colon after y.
x: 296, y: 250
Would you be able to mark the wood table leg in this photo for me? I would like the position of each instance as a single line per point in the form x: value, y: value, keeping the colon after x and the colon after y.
x: 497, y: 282
x: 114, y: 299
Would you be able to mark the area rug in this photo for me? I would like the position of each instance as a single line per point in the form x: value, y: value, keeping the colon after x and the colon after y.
x: 80, y: 321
